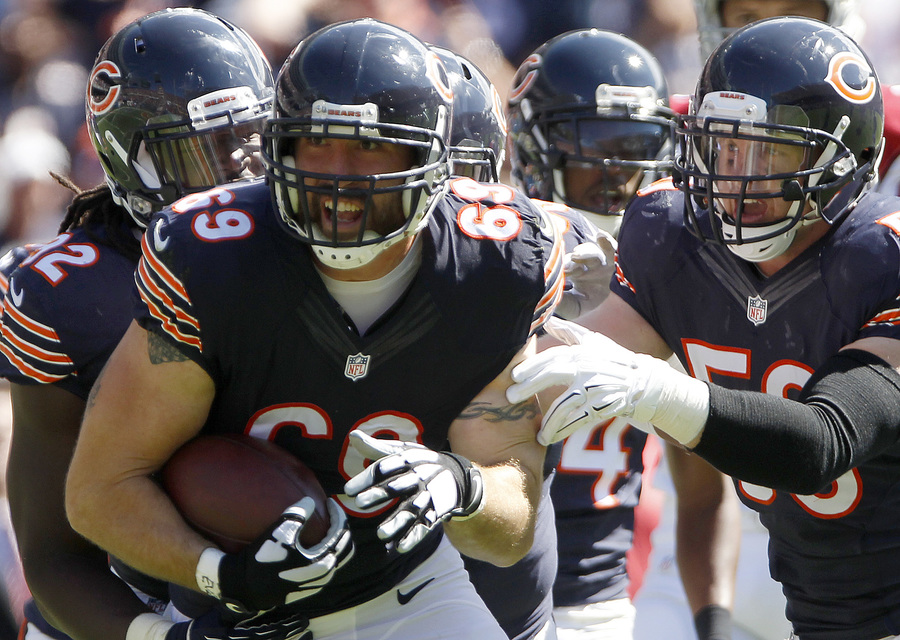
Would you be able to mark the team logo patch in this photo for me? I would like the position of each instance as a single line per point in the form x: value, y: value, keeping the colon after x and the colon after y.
x: 357, y: 366
x: 852, y: 77
x: 525, y: 77
x: 104, y: 87
x: 437, y: 73
x: 756, y: 310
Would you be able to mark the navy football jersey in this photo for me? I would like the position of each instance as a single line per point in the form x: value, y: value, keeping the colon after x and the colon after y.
x: 837, y: 553
x: 67, y: 304
x: 594, y: 492
x: 597, y: 487
x: 66, y: 307
x: 226, y: 285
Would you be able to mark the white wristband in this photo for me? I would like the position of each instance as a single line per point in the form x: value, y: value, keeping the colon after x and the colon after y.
x: 681, y: 406
x: 148, y: 626
x: 207, y: 572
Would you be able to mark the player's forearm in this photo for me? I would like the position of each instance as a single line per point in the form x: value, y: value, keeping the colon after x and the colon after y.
x: 502, y: 533
x: 104, y: 607
x: 847, y: 413
x: 707, y: 548
x: 135, y: 521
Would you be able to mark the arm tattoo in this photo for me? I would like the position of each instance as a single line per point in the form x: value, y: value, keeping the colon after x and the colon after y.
x: 160, y: 351
x: 506, y: 413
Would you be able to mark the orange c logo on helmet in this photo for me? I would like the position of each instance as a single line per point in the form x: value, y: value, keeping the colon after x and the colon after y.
x: 436, y: 72
x: 110, y: 90
x: 835, y: 77
x: 529, y: 68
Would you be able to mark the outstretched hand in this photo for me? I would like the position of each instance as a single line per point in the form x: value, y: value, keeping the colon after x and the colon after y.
x: 430, y: 487
x: 589, y: 269
x: 605, y: 380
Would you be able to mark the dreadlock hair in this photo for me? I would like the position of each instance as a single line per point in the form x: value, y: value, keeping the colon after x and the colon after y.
x: 95, y: 207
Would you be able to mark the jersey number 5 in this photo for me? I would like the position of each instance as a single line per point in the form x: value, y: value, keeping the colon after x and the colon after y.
x: 782, y: 376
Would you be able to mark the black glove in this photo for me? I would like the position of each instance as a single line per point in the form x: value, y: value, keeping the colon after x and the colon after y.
x: 432, y: 486
x: 276, y: 569
x: 262, y: 626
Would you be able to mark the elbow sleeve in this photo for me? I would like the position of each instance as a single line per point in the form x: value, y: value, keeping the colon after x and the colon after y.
x: 848, y: 412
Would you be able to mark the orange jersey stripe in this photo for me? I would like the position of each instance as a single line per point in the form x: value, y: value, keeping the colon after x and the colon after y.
x: 27, y: 369
x: 163, y: 297
x: 37, y: 328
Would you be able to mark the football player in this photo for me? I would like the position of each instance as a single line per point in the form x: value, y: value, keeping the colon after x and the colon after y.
x: 758, y: 607
x: 716, y: 18
x: 589, y: 125
x: 361, y: 309
x: 175, y: 104
x: 778, y: 290
x: 519, y: 596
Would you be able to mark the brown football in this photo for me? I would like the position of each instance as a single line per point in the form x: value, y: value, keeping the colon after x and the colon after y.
x: 231, y: 488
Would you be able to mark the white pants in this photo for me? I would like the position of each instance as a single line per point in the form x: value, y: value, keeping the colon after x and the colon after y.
x: 446, y: 607
x: 547, y: 632
x: 610, y: 620
x: 33, y: 633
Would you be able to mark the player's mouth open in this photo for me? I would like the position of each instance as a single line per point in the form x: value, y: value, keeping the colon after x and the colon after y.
x: 348, y: 214
x: 753, y: 212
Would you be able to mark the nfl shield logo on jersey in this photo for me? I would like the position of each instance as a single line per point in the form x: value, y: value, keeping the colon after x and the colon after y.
x: 357, y: 366
x: 756, y: 310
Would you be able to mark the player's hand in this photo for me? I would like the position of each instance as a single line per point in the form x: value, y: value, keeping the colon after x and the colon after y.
x: 430, y: 487
x: 276, y: 569
x: 262, y: 626
x: 604, y: 381
x: 589, y: 268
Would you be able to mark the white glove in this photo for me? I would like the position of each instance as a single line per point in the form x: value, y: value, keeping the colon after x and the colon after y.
x: 605, y: 381
x: 588, y: 269
x: 429, y: 487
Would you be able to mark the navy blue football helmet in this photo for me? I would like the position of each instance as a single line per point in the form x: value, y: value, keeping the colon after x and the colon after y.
x: 367, y: 81
x: 590, y: 99
x: 176, y: 104
x: 787, y: 110
x: 478, y: 138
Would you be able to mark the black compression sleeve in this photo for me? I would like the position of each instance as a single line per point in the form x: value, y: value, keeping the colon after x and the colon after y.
x: 848, y: 412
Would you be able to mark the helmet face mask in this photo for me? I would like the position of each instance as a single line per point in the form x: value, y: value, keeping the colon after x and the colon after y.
x: 589, y: 108
x: 768, y: 155
x: 189, y: 160
x: 367, y: 83
x: 176, y: 104
x: 384, y: 198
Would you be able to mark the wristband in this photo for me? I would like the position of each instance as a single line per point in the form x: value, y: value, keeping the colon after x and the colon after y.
x: 713, y: 622
x: 675, y: 402
x: 207, y: 573
x: 148, y: 626
x: 474, y: 490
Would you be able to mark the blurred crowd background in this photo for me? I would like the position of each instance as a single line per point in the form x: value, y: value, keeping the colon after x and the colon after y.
x: 47, y: 48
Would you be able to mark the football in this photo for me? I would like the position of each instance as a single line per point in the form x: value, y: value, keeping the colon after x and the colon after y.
x: 231, y: 488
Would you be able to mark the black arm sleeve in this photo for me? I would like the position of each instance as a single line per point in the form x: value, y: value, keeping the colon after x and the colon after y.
x: 847, y: 413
